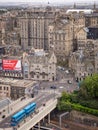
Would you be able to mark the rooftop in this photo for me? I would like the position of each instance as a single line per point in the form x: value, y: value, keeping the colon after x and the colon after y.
x: 16, y: 82
x: 86, y: 11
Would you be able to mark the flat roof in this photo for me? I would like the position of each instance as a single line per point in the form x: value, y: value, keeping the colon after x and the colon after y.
x: 86, y: 11
x: 17, y: 82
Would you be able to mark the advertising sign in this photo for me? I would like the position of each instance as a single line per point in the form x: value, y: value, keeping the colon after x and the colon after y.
x: 11, y: 65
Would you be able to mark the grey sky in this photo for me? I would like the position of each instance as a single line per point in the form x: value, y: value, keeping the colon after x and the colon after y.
x: 51, y: 1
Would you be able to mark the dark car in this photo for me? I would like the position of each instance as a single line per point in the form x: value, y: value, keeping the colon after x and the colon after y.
x: 3, y: 116
x: 53, y: 87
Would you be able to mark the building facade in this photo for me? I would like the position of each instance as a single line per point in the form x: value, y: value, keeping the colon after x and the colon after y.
x: 91, y: 19
x: 85, y: 62
x: 34, y: 28
x: 63, y: 33
x: 60, y: 37
x: 13, y: 88
x: 40, y: 67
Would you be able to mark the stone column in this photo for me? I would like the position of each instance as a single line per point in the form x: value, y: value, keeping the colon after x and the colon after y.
x: 38, y: 125
x: 49, y: 118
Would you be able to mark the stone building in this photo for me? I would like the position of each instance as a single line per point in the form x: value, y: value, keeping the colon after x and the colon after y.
x: 41, y: 67
x: 34, y: 28
x: 4, y: 90
x: 60, y: 37
x: 91, y: 19
x: 84, y: 62
x: 96, y: 56
x: 13, y: 88
x: 36, y: 65
x: 63, y: 33
x: 9, y: 29
x: 81, y: 38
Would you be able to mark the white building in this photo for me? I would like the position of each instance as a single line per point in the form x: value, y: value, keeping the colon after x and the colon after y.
x: 85, y: 11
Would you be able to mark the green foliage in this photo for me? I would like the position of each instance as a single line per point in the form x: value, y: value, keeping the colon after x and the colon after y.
x: 62, y: 105
x: 68, y: 106
x: 65, y: 96
x: 89, y: 87
x: 74, y: 98
x: 85, y: 100
x: 89, y: 103
x: 79, y: 107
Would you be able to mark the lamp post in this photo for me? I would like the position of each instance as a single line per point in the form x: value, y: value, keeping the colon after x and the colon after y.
x: 54, y: 93
x: 8, y: 106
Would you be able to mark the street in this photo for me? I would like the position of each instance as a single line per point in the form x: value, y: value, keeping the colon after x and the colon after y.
x: 61, y: 83
x: 43, y: 89
x: 39, y: 100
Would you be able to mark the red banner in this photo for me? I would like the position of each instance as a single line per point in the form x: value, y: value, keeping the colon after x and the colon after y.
x: 11, y: 65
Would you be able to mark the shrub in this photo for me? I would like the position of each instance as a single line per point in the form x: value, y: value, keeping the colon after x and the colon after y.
x: 84, y: 109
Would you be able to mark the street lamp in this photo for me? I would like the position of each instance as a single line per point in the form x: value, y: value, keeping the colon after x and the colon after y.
x: 8, y: 108
x: 54, y: 93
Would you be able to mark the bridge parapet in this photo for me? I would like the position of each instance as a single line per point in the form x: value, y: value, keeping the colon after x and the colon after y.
x: 43, y: 111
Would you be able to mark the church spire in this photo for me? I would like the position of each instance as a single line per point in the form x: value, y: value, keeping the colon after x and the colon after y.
x: 74, y: 5
x: 94, y: 6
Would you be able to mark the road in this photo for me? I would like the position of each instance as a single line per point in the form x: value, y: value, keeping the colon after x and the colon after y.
x: 43, y: 91
x: 40, y: 99
x: 61, y: 83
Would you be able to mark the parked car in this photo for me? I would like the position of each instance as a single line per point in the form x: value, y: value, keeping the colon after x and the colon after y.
x: 3, y: 116
x: 53, y: 87
x: 69, y: 81
x: 61, y: 87
x: 67, y: 71
x: 62, y: 69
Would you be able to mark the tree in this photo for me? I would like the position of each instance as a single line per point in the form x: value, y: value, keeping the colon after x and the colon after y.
x: 64, y: 102
x: 89, y: 87
x: 65, y: 96
x: 64, y: 106
x: 84, y: 100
